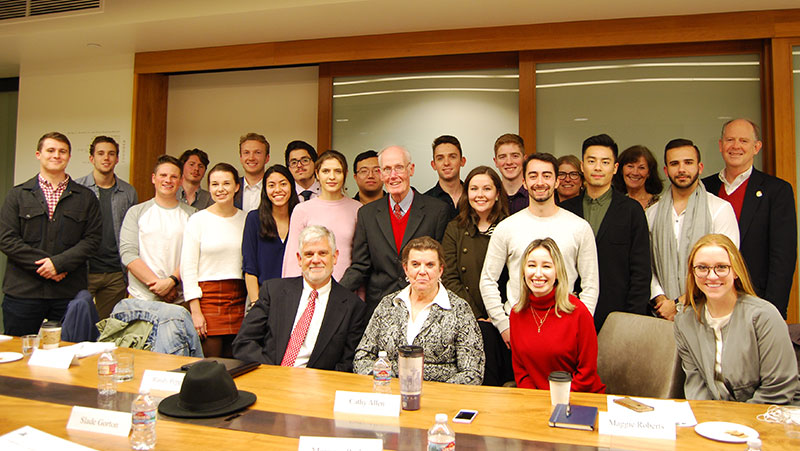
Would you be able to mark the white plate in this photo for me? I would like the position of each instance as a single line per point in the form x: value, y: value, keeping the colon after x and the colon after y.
x: 6, y: 357
x: 719, y: 431
x: 5, y: 338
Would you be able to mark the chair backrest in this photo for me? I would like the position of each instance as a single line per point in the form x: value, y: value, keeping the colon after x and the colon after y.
x: 637, y: 356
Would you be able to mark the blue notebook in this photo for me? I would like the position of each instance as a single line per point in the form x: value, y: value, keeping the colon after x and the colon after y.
x: 580, y: 417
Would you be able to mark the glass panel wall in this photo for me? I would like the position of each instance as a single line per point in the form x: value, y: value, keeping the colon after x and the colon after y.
x: 372, y: 112
x: 646, y: 101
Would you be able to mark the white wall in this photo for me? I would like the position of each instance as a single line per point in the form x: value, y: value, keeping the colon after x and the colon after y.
x: 80, y: 98
x: 211, y: 111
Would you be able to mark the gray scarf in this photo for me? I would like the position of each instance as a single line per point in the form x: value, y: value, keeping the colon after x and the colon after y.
x: 670, y: 259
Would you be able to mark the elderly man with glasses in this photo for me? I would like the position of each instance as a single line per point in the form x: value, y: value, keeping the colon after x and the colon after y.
x: 386, y: 225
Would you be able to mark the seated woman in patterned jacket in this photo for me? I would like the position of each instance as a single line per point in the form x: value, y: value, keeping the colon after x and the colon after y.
x: 425, y: 314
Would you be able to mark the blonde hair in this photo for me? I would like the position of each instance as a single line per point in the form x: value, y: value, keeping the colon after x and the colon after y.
x: 741, y: 284
x: 562, y: 290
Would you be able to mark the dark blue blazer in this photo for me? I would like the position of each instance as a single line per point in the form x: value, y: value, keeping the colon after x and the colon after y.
x: 623, y: 254
x: 767, y: 234
x: 266, y: 329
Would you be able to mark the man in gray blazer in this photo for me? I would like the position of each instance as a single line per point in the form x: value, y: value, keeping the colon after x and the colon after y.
x: 386, y: 225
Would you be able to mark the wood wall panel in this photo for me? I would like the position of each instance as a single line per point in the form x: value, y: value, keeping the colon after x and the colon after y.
x: 566, y: 35
x: 149, y: 137
x: 527, y: 101
x: 325, y: 109
x: 781, y: 132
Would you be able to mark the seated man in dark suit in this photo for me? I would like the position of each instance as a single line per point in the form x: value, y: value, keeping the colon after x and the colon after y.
x: 386, y: 225
x: 309, y: 321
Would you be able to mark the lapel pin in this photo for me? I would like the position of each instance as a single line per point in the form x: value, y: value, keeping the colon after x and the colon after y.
x: 759, y: 193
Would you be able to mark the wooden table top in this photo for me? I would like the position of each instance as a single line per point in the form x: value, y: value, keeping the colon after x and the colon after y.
x: 296, y: 401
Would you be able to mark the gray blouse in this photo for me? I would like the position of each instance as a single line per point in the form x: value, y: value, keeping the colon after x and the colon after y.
x: 758, y: 362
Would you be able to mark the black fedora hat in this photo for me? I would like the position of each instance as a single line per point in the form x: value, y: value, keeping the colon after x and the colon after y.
x: 207, y: 391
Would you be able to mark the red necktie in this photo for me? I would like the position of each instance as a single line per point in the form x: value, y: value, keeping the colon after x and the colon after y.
x: 300, y: 331
x: 398, y: 212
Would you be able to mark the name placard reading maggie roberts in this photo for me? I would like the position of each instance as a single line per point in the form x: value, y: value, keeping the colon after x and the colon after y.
x: 162, y: 381
x: 308, y: 443
x: 100, y: 421
x: 662, y: 427
x: 366, y: 403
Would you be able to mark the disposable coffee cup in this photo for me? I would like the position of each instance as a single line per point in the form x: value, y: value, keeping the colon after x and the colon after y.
x: 410, y: 367
x: 560, y: 382
x: 51, y: 334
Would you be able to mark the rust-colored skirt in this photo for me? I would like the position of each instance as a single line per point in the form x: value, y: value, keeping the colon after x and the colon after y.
x: 223, y: 305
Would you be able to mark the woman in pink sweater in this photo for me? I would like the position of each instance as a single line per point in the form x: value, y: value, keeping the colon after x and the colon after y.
x: 551, y: 330
x: 331, y: 209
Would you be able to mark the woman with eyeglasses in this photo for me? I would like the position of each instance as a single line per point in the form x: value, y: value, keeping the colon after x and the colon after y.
x: 332, y: 209
x: 570, y: 178
x: 637, y: 176
x: 733, y: 345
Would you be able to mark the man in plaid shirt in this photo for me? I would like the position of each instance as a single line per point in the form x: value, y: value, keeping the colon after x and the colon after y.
x: 49, y: 226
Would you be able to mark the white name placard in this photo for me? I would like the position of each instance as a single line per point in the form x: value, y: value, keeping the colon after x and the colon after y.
x: 100, y: 421
x: 162, y: 381
x: 308, y: 443
x: 53, y: 358
x: 651, y: 427
x: 359, y: 403
x: 28, y: 439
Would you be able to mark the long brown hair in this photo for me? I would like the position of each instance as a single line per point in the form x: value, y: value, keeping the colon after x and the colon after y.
x: 466, y: 214
x: 562, y: 290
x: 741, y: 284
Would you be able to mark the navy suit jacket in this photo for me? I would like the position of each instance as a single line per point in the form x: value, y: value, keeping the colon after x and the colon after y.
x: 375, y: 257
x: 623, y: 254
x: 237, y: 199
x: 266, y: 329
x: 767, y: 234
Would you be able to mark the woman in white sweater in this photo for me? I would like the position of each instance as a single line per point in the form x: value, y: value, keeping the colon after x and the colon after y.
x: 211, y: 265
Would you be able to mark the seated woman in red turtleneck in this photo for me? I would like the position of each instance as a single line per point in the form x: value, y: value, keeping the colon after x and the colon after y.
x: 551, y: 330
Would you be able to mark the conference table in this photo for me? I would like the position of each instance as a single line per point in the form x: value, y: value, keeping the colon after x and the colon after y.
x: 296, y: 401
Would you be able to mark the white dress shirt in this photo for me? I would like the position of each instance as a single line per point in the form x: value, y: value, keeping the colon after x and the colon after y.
x: 251, y: 195
x: 737, y: 181
x: 316, y: 321
x: 415, y: 326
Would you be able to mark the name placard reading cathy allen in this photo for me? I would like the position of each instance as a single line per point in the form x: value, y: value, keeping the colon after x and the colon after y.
x: 662, y: 427
x: 100, y: 421
x: 367, y: 403
x: 308, y: 443
x: 162, y: 381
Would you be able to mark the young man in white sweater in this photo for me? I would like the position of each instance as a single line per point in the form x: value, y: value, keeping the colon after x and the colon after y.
x: 151, y: 237
x: 542, y: 219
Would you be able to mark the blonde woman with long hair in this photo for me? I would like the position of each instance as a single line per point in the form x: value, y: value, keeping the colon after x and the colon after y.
x: 733, y: 345
x: 551, y: 330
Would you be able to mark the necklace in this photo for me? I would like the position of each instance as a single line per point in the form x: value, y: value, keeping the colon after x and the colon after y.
x: 540, y: 321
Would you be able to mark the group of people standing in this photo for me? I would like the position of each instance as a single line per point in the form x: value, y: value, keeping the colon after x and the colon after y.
x: 501, y: 278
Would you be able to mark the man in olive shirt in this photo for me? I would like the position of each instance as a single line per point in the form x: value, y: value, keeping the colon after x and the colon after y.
x: 620, y: 230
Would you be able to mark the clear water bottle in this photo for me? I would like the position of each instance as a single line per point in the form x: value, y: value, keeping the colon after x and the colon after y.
x: 382, y: 374
x: 143, y: 413
x: 440, y: 436
x: 106, y: 370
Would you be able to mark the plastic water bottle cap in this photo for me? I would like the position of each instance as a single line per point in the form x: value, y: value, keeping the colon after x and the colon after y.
x: 441, y: 418
x: 381, y: 354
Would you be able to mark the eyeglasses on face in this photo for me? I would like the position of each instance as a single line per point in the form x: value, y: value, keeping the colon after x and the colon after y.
x: 363, y: 172
x: 574, y: 175
x: 304, y: 161
x: 719, y: 270
x: 399, y: 170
